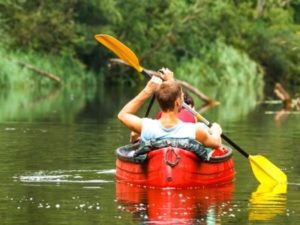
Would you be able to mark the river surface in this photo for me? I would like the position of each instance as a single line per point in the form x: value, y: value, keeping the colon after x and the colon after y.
x: 57, y: 166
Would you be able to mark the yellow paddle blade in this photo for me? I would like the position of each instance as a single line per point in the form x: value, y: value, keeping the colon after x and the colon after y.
x: 265, y: 171
x: 121, y: 50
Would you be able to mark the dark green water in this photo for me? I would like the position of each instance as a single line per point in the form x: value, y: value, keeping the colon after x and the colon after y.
x: 57, y: 165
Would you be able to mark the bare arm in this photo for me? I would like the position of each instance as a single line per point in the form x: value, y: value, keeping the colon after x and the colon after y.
x: 127, y: 114
x: 211, y: 138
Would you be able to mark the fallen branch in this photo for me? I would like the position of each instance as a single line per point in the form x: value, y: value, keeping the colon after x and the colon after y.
x: 283, y: 95
x: 185, y: 85
x: 201, y: 95
x: 39, y: 71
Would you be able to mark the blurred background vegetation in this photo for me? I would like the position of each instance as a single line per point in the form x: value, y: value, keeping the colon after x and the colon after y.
x: 203, y: 41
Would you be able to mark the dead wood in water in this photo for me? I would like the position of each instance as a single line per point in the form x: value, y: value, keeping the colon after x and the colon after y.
x: 288, y: 104
x: 198, y: 93
x: 209, y: 102
x: 284, y: 96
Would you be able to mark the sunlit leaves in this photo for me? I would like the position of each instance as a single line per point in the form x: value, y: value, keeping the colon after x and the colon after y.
x: 160, y: 32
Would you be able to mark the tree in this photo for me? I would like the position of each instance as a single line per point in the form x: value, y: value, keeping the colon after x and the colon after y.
x: 43, y: 26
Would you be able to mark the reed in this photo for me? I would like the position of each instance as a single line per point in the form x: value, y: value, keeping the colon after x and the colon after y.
x: 71, y: 72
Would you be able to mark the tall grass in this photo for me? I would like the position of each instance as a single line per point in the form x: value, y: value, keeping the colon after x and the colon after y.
x: 29, y: 95
x: 69, y: 70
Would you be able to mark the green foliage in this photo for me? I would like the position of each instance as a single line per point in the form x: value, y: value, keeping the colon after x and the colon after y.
x: 295, y: 4
x: 160, y: 32
x: 220, y: 64
x: 71, y: 72
x: 44, y: 26
x: 276, y: 47
x: 227, y: 75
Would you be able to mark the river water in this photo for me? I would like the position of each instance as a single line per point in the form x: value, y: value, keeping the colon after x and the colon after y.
x: 57, y: 165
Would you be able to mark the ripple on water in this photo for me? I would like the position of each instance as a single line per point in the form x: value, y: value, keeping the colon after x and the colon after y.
x: 65, y: 176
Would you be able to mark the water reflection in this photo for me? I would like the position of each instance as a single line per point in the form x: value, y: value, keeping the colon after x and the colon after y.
x: 268, y: 202
x: 39, y: 104
x: 176, y: 206
x: 281, y: 116
x: 65, y: 104
x: 237, y: 102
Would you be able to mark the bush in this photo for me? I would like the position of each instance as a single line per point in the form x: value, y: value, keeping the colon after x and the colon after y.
x: 220, y: 64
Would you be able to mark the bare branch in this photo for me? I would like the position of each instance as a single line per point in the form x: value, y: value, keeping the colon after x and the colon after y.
x: 185, y: 85
x: 39, y: 71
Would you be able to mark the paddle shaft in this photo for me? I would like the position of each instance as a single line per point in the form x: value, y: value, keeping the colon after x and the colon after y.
x: 153, y: 96
x: 233, y: 144
x: 207, y: 123
x: 150, y: 106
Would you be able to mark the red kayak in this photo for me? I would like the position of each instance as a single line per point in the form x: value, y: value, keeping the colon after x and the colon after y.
x: 176, y: 163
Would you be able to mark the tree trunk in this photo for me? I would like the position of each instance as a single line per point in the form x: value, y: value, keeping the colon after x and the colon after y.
x: 40, y: 72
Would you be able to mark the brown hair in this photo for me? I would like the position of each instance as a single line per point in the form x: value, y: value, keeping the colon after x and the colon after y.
x: 167, y: 94
x: 188, y: 99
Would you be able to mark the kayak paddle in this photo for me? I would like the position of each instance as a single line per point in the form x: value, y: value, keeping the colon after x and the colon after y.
x: 264, y: 170
x: 124, y: 53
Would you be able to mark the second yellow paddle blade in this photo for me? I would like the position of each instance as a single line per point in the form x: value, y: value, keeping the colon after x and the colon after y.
x: 121, y: 50
x: 265, y: 171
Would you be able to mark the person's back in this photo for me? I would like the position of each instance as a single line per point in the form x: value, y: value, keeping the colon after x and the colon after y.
x: 153, y: 129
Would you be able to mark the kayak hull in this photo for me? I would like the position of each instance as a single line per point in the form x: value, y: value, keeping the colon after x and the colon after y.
x: 178, y: 168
